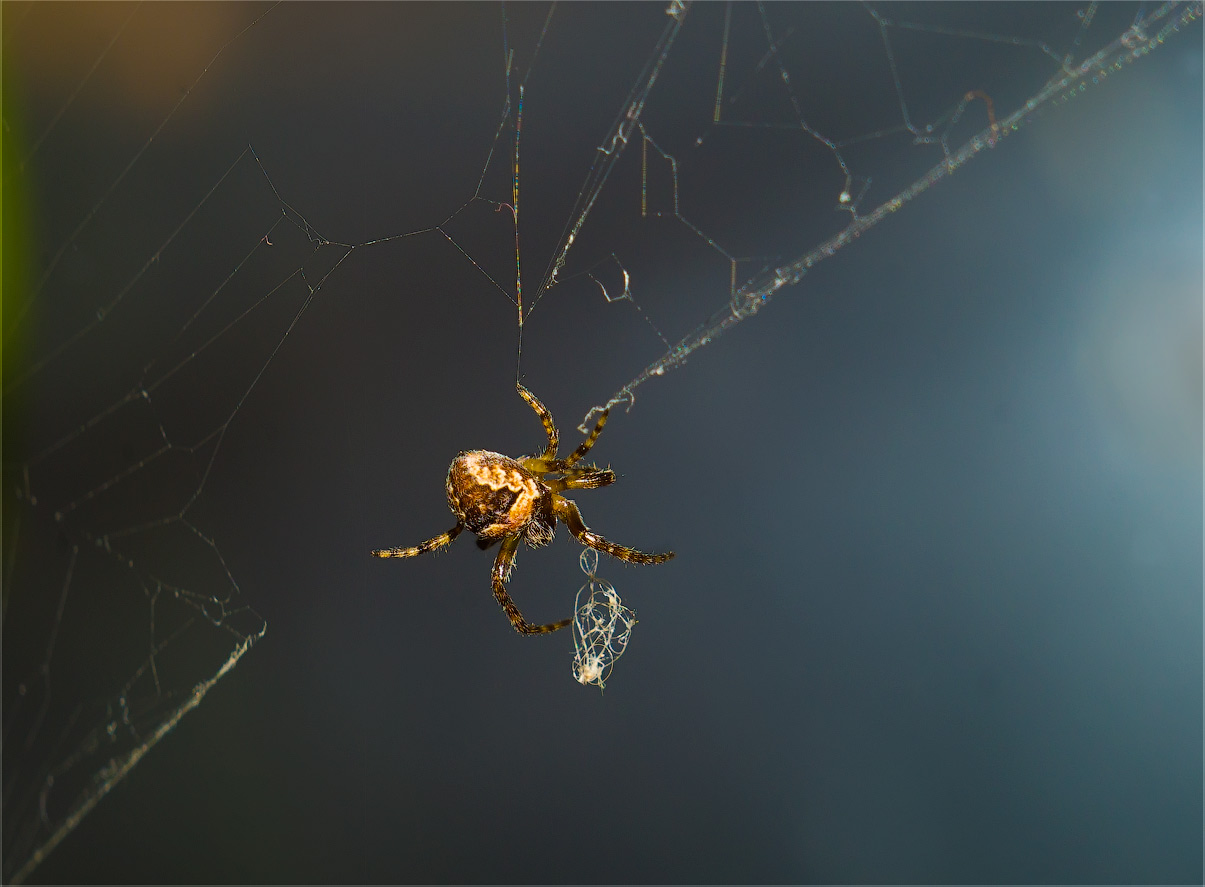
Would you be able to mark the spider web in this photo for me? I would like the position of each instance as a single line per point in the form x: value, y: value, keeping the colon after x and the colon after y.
x: 182, y: 295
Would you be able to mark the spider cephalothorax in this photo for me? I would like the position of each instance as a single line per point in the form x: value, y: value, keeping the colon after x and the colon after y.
x: 511, y: 500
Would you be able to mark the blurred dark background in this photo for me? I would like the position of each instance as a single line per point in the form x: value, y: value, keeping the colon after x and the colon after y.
x: 936, y: 611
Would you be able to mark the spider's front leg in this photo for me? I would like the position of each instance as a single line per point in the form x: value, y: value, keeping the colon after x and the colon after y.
x: 585, y: 445
x: 554, y: 437
x: 423, y: 547
x: 567, y: 511
x: 581, y: 478
x: 502, y: 567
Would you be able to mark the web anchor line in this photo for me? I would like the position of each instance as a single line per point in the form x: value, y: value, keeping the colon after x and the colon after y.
x: 1135, y: 42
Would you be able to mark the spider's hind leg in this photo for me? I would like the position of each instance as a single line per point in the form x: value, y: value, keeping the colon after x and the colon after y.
x: 423, y: 547
x: 502, y: 568
x: 567, y: 511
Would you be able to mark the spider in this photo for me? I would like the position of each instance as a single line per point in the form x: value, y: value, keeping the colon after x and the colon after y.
x: 511, y: 500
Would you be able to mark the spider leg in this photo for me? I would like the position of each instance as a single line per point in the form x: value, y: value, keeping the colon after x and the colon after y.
x: 586, y: 477
x: 423, y: 547
x: 548, y: 463
x: 545, y: 417
x: 584, y: 446
x: 502, y: 567
x: 483, y: 544
x: 567, y: 511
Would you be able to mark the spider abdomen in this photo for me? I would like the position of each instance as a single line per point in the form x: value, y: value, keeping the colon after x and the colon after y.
x: 495, y: 496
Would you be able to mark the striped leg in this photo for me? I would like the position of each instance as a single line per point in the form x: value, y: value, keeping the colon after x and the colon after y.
x: 567, y: 511
x: 502, y: 567
x: 423, y: 547
x: 586, y: 477
x: 584, y: 446
x: 544, y: 465
x: 545, y: 417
